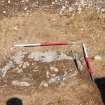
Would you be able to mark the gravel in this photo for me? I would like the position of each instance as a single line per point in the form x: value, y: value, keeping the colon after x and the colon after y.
x: 10, y: 8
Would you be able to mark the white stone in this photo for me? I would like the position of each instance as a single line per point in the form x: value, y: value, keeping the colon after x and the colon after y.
x: 15, y: 28
x: 25, y: 8
x: 25, y: 65
x: 4, y: 12
x: 54, y: 69
x: 9, y: 1
x: 20, y: 83
x: 47, y: 74
x: 53, y: 3
x: 43, y: 84
x: 98, y: 57
x: 12, y: 48
x: 19, y: 70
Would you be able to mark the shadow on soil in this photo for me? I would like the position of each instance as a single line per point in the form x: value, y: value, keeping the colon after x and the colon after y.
x: 14, y: 101
x: 100, y: 82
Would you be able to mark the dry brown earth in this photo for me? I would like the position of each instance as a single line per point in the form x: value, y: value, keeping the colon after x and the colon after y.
x: 46, y: 25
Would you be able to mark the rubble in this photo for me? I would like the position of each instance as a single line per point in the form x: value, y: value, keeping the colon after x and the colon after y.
x: 41, y: 67
x: 58, y: 79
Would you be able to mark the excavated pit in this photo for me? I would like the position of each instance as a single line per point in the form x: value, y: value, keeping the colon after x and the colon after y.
x: 48, y: 72
x: 38, y: 69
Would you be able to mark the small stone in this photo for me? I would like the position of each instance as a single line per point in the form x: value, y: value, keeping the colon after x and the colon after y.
x: 25, y: 65
x: 43, y: 84
x: 12, y: 48
x: 103, y: 10
x: 19, y: 70
x: 25, y: 1
x: 20, y: 83
x: 48, y: 74
x: 20, y: 65
x: 53, y: 3
x: 15, y: 28
x: 4, y: 12
x: 9, y: 1
x: 54, y: 69
x: 98, y: 57
x: 25, y: 8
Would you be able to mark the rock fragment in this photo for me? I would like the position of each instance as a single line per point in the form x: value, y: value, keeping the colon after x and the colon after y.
x: 9, y: 1
x: 19, y: 70
x: 54, y: 69
x: 25, y: 1
x: 43, y: 84
x: 4, y: 12
x: 5, y: 69
x: 98, y: 58
x: 15, y: 28
x: 20, y: 83
x: 25, y: 65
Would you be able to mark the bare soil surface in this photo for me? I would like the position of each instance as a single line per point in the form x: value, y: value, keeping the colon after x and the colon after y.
x: 56, y: 82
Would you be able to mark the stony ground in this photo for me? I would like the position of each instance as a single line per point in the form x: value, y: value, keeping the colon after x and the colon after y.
x: 56, y: 82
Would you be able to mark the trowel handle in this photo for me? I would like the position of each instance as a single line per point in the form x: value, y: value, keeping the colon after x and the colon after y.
x: 90, y: 68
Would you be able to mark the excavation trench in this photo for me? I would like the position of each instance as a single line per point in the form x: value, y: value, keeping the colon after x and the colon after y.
x: 46, y: 71
x: 39, y: 69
